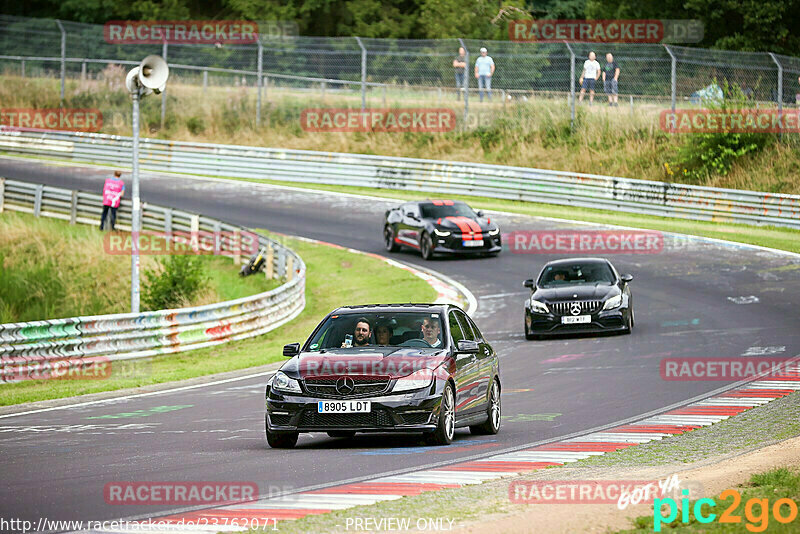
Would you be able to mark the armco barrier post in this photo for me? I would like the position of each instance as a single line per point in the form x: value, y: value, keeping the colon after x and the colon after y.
x: 237, y: 247
x: 73, y: 207
x: 205, y: 80
x: 194, y: 228
x: 168, y: 222
x: 281, y: 262
x: 37, y: 201
x: 269, y: 271
x: 289, y: 269
x: 2, y: 193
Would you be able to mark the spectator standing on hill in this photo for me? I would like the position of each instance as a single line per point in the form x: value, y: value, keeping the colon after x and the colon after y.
x: 610, y: 80
x: 484, y: 69
x: 589, y: 75
x: 460, y: 66
x: 113, y: 190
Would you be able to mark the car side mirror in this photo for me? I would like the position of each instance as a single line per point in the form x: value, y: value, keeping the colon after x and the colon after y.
x: 466, y: 346
x: 529, y: 283
x: 291, y: 350
x: 627, y: 278
x: 479, y: 213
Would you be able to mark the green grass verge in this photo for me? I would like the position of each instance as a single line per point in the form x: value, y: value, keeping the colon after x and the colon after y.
x: 335, y: 277
x: 766, y: 236
x: 754, y: 428
x: 766, y: 488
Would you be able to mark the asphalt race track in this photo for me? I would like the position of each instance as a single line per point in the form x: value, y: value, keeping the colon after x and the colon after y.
x: 692, y: 299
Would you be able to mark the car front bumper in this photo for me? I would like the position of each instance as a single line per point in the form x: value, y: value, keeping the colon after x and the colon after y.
x: 455, y: 245
x: 615, y: 320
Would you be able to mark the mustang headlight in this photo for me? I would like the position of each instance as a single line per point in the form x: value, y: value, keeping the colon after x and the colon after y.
x: 416, y: 380
x: 440, y: 233
x: 539, y: 307
x: 281, y: 382
x: 494, y: 232
x: 613, y: 302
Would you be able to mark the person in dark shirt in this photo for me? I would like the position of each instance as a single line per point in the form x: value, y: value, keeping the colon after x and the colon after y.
x: 611, y: 79
x: 460, y: 67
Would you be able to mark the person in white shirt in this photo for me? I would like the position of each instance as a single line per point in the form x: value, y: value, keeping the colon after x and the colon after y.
x: 590, y: 74
x: 431, y: 330
x: 484, y: 69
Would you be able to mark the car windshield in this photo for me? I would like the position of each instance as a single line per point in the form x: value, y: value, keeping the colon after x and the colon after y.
x: 576, y: 273
x: 447, y: 208
x: 374, y: 329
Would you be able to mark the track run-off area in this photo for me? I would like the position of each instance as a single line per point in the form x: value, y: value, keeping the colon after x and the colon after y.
x: 693, y: 298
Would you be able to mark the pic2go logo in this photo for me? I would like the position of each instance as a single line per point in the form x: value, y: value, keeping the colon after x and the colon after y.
x: 757, y: 522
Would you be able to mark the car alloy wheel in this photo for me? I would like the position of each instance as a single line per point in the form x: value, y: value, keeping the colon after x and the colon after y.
x: 493, y: 411
x: 443, y: 435
x: 528, y: 334
x: 388, y: 239
x: 426, y: 246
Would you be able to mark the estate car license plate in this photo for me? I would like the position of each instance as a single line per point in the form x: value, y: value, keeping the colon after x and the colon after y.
x: 343, y: 406
x: 576, y: 319
x: 473, y: 243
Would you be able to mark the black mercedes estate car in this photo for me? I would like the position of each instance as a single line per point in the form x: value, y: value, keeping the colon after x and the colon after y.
x: 386, y: 368
x: 578, y: 295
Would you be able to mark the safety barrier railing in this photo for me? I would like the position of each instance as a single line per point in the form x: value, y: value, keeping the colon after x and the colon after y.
x: 27, y: 348
x: 424, y: 176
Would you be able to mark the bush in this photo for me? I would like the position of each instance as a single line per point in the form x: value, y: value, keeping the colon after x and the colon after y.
x: 196, y: 125
x: 176, y: 281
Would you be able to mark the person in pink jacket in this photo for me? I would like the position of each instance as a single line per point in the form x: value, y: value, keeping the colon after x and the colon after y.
x: 113, y: 190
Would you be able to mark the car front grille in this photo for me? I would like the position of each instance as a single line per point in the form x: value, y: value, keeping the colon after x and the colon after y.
x: 363, y: 386
x: 377, y: 418
x: 565, y: 308
x: 416, y: 418
x: 280, y: 419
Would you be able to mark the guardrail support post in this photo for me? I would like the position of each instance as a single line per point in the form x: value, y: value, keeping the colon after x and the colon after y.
x: 2, y: 193
x: 269, y: 269
x: 673, y: 77
x: 237, y: 247
x: 73, y: 207
x: 37, y: 201
x: 259, y: 80
x: 217, y: 245
x: 205, y: 81
x: 168, y: 222
x: 281, y: 262
x: 363, y: 74
x: 289, y: 268
x: 194, y: 228
x: 780, y: 91
x: 571, y: 87
x: 63, y: 57
x: 466, y: 80
x: 164, y: 93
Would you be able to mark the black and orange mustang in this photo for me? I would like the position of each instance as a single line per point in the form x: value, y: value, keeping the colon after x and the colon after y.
x: 440, y: 226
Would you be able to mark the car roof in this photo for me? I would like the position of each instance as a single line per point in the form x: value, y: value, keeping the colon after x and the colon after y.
x: 571, y: 261
x: 400, y: 307
x: 438, y: 202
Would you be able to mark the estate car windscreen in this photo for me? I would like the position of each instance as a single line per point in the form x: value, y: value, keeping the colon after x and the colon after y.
x: 457, y: 209
x: 388, y: 329
x: 576, y: 274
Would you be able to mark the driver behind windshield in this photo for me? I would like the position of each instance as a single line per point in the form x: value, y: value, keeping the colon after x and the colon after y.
x: 431, y: 330
x: 361, y: 333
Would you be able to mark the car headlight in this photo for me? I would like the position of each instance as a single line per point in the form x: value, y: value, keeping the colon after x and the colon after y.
x: 494, y: 232
x: 539, y: 307
x: 281, y: 382
x: 440, y: 233
x: 613, y: 302
x: 416, y: 380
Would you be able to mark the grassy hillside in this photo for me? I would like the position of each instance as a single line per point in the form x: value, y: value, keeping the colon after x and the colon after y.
x: 532, y: 133
x: 49, y: 269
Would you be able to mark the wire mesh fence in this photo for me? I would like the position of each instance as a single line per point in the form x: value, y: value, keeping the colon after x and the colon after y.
x: 390, y: 72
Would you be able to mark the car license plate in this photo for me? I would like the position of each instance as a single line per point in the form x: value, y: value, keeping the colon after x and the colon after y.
x: 576, y: 319
x: 473, y: 243
x: 344, y: 406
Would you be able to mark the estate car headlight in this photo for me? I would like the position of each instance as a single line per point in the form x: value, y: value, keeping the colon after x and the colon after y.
x: 613, y: 302
x: 494, y: 232
x: 416, y: 380
x: 281, y: 382
x: 440, y: 233
x: 539, y: 307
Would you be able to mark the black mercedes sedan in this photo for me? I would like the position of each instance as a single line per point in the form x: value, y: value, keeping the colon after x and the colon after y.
x: 386, y: 368
x: 578, y: 295
x: 440, y: 227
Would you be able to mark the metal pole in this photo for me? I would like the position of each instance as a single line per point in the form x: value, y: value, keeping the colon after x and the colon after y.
x: 780, y: 91
x: 466, y: 80
x: 571, y: 86
x: 673, y: 76
x: 83, y: 71
x: 164, y: 92
x: 205, y: 81
x: 363, y: 74
x: 23, y: 68
x: 259, y: 80
x: 136, y: 208
x: 63, y: 57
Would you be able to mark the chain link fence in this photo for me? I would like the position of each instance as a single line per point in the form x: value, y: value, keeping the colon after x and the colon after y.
x: 384, y: 72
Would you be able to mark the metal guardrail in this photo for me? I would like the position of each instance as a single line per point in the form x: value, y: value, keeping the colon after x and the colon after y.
x: 471, y: 179
x: 28, y: 346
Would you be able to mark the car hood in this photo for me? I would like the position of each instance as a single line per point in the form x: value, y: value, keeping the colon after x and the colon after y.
x: 570, y: 293
x: 394, y: 362
x: 457, y: 223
